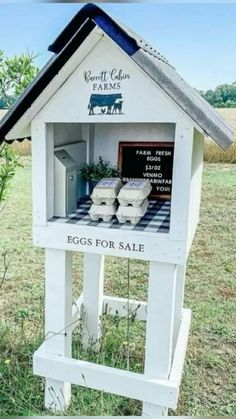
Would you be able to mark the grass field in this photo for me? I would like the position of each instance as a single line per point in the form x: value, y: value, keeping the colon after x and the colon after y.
x: 209, y: 379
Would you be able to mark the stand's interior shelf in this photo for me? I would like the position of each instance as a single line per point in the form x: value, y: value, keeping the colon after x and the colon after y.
x: 156, y: 219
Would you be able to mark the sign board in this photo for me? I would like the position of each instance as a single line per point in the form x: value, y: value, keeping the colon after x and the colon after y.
x: 152, y: 161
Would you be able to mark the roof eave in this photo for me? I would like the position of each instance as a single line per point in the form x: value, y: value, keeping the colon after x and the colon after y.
x: 41, y: 81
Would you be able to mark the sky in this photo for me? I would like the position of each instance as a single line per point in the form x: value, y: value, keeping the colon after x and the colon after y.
x: 199, y: 39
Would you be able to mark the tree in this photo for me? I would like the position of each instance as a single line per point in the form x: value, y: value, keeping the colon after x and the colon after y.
x: 224, y: 96
x: 15, y: 75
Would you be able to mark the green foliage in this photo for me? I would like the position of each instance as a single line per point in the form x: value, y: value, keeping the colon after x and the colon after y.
x: 94, y: 172
x: 15, y: 75
x: 8, y: 164
x: 224, y: 96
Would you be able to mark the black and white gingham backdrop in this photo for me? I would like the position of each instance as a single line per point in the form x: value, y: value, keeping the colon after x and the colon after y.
x: 156, y: 219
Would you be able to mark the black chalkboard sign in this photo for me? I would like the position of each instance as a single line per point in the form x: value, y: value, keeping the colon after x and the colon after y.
x: 145, y: 160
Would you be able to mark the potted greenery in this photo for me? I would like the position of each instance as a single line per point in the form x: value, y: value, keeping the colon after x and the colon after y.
x: 93, y: 172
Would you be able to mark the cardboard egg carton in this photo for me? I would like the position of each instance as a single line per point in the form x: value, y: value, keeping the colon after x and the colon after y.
x: 104, y: 212
x: 134, y: 192
x: 106, y: 191
x: 131, y: 213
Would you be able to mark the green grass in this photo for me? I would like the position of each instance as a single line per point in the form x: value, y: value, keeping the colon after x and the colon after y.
x: 209, y: 379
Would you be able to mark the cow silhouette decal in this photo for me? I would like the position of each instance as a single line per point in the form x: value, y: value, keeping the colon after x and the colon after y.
x: 108, y: 104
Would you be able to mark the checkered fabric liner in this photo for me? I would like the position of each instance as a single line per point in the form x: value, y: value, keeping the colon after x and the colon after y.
x: 156, y: 219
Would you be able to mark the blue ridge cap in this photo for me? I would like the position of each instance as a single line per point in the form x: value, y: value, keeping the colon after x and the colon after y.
x: 104, y: 21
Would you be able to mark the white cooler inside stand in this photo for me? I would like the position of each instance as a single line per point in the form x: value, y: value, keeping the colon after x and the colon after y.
x: 65, y: 184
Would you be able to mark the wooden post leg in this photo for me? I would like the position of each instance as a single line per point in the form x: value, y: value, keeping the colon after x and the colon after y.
x: 179, y: 299
x: 92, y: 298
x: 159, y: 329
x: 58, y: 316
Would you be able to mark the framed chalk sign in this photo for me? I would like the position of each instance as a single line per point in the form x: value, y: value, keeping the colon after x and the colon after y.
x: 148, y: 160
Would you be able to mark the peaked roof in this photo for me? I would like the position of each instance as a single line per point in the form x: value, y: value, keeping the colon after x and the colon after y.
x: 141, y: 52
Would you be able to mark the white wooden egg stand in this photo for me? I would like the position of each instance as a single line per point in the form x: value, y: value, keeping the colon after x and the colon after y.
x: 167, y: 322
x: 58, y: 110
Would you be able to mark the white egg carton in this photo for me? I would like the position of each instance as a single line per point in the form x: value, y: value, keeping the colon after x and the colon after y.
x: 132, y: 214
x: 134, y: 192
x: 106, y: 191
x: 105, y: 212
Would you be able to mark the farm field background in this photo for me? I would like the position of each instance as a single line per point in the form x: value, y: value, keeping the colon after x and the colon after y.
x: 212, y: 154
x: 209, y: 380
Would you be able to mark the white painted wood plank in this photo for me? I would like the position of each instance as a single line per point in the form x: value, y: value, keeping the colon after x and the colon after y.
x: 50, y: 170
x: 181, y: 347
x: 196, y: 185
x: 108, y: 379
x: 114, y: 306
x: 92, y: 299
x: 181, y: 180
x: 177, y: 364
x: 58, y: 317
x: 39, y: 150
x: 160, y: 322
x: 42, y: 172
x: 85, y: 128
x: 119, y: 306
x: 179, y: 299
x: 156, y: 247
x: 160, y: 319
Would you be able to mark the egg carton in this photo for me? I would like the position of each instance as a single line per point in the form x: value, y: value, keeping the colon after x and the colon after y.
x: 106, y: 191
x: 132, y: 214
x: 104, y: 212
x: 134, y: 192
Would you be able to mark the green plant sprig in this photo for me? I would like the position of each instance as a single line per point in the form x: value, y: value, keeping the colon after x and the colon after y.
x: 93, y: 172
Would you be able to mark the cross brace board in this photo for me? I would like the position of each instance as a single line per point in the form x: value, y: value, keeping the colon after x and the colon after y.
x: 124, y: 383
